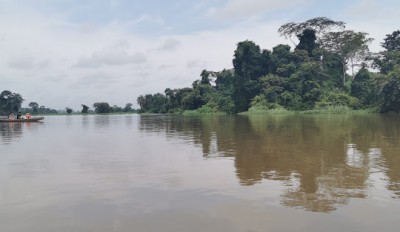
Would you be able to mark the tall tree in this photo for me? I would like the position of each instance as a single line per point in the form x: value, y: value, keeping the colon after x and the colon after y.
x: 34, y: 106
x: 362, y: 87
x: 307, y: 40
x: 281, y: 61
x: 349, y: 47
x: 392, y: 41
x: 249, y: 64
x: 85, y: 109
x: 102, y: 107
x: 319, y: 25
x: 10, y: 102
x: 205, y: 77
x: 128, y: 107
x: 391, y: 92
x: 388, y: 59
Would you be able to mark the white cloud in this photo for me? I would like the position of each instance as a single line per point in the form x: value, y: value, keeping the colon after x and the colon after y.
x: 371, y: 10
x: 148, y: 19
x: 111, y: 57
x: 170, y: 44
x: 375, y: 18
x: 237, y: 9
x: 22, y: 63
x: 97, y: 80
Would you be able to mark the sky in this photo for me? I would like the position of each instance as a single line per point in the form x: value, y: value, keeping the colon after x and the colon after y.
x: 64, y: 53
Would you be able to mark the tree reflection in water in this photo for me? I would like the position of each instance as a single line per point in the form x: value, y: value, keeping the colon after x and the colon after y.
x: 323, y: 160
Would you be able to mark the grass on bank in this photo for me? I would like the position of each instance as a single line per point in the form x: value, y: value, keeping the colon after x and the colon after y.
x: 257, y: 110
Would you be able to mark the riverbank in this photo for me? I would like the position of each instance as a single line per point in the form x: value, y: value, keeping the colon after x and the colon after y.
x: 263, y: 111
x: 327, y: 110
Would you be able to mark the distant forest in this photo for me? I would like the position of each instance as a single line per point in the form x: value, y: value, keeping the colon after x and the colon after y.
x: 11, y: 102
x: 330, y: 67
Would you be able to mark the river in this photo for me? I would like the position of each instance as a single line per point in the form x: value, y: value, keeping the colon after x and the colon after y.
x: 166, y: 173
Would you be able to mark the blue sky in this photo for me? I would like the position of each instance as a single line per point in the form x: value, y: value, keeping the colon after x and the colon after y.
x: 63, y: 53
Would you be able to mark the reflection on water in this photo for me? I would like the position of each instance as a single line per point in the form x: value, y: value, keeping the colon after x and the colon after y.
x: 168, y: 173
x: 13, y: 130
x: 322, y: 160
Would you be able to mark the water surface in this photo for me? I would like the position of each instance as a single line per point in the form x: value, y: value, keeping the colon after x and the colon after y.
x: 210, y: 173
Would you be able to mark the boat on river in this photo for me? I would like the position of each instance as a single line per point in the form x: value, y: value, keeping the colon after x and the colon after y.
x: 34, y: 119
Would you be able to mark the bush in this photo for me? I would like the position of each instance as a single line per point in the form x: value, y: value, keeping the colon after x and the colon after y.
x: 329, y: 110
x: 210, y: 107
x: 391, y: 94
x: 260, y: 105
x: 337, y: 99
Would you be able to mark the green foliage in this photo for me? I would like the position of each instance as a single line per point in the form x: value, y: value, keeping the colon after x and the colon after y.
x: 210, y: 107
x: 392, y: 41
x: 225, y: 81
x: 40, y: 110
x: 116, y: 108
x: 68, y: 110
x: 204, y: 77
x: 192, y: 101
x: 260, y: 105
x: 281, y: 61
x: 347, y: 46
x: 10, y: 102
x: 332, y: 69
x: 311, y: 78
x: 128, y: 108
x: 320, y: 25
x: 362, y: 88
x: 391, y: 92
x: 249, y: 64
x: 337, y: 100
x: 387, y: 60
x: 306, y: 83
x: 34, y: 106
x: 248, y: 61
x: 150, y: 103
x: 102, y: 108
x: 329, y: 110
x: 278, y: 90
x: 307, y: 40
x: 85, y: 109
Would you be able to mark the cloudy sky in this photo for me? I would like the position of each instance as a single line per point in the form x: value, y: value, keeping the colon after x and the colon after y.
x: 63, y: 53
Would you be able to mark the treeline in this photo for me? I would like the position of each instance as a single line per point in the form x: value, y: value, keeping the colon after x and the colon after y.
x: 105, y: 108
x: 329, y: 67
x: 11, y: 102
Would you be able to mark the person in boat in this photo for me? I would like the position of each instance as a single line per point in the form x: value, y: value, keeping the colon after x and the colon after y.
x: 19, y: 115
x: 27, y: 115
x: 11, y: 116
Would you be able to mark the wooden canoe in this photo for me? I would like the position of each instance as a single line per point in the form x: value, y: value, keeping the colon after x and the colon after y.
x: 35, y: 119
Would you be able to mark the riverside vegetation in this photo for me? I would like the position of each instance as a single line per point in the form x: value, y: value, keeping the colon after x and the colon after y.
x: 328, y: 71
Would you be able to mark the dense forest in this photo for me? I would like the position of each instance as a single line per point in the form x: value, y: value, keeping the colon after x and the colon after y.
x: 329, y: 67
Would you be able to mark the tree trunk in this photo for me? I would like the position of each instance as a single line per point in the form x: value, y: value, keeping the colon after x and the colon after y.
x: 344, y: 74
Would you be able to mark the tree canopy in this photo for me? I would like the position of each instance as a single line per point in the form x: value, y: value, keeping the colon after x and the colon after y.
x: 392, y: 41
x: 10, y: 102
x: 319, y: 25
